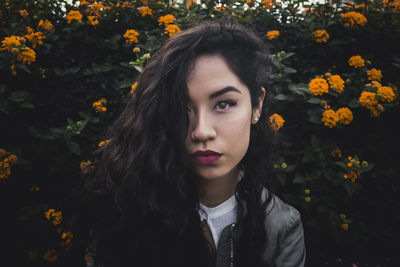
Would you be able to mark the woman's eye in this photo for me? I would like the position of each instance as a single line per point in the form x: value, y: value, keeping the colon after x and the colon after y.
x: 224, y: 105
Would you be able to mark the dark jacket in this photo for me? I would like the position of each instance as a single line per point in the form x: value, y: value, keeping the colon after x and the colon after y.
x: 285, y: 238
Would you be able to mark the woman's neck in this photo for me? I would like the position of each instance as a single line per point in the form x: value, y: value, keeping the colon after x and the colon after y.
x: 216, y: 191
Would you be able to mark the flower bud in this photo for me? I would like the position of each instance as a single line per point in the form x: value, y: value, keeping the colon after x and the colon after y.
x: 328, y: 74
x: 276, y: 166
x: 307, y: 199
x: 348, y: 81
x: 136, y: 50
x: 283, y: 165
x: 79, y: 123
x: 69, y: 128
x: 307, y: 191
x: 342, y: 216
x: 344, y: 226
x: 368, y: 62
x: 15, y: 51
x: 146, y: 56
x: 323, y: 103
x: 364, y: 164
x: 22, y: 40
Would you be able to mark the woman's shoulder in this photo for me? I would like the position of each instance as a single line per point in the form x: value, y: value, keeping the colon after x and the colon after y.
x: 279, y: 214
x: 285, y: 235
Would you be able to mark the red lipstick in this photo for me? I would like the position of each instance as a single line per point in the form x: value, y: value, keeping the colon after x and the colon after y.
x: 206, y: 156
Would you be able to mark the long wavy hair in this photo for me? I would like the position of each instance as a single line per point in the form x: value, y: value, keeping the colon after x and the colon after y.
x: 141, y: 200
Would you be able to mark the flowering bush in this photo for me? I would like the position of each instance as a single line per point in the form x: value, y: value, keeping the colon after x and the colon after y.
x: 69, y: 67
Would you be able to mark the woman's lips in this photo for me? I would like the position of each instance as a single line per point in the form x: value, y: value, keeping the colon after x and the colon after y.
x: 207, y: 159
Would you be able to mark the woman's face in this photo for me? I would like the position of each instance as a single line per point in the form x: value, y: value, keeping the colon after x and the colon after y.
x: 220, y: 116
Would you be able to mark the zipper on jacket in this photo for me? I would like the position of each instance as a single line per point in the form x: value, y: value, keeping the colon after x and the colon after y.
x: 231, y: 246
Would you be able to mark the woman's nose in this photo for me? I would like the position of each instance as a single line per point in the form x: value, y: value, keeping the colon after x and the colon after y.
x: 202, y: 127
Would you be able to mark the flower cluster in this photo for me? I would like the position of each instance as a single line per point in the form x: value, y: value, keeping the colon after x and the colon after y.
x: 392, y: 4
x: 54, y: 215
x: 45, y: 25
x: 345, y: 222
x: 353, y: 165
x: 172, y: 29
x: 356, y: 61
x: 23, y: 12
x: 131, y: 36
x: 27, y: 55
x: 86, y: 166
x: 374, y: 75
x: 167, y: 21
x: 74, y: 15
x: 353, y: 18
x: 272, y: 34
x: 66, y: 237
x: 335, y: 82
x: 336, y: 152
x: 6, y: 162
x: 343, y: 115
x: 93, y: 20
x: 320, y: 36
x: 36, y: 38
x: 99, y: 105
x: 146, y: 11
x: 276, y: 121
x: 9, y: 43
x: 189, y: 3
x: 376, y: 92
x: 318, y: 86
x: 268, y: 4
x: 51, y: 255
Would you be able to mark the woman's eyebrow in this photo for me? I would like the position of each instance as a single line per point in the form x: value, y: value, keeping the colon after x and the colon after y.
x: 223, y: 91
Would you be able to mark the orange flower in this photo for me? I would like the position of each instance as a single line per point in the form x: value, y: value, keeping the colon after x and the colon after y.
x: 374, y: 74
x: 356, y: 61
x: 320, y: 36
x: 345, y: 116
x: 330, y: 118
x: 272, y: 34
x: 336, y: 83
x: 318, y: 86
x: 133, y: 87
x: 171, y: 30
x: 276, y: 121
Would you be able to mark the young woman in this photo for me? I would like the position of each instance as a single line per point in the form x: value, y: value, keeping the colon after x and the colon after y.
x: 185, y: 179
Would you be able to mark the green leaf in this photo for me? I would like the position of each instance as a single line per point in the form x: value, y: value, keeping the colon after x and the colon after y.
x: 74, y: 147
x: 281, y: 97
x: 314, y: 100
x: 299, y: 179
x: 289, y: 70
x: 127, y: 82
x: 314, y: 116
x: 315, y: 142
x: 351, y: 188
x: 138, y: 68
x: 341, y: 164
x: 300, y: 89
x: 289, y: 168
x: 27, y: 105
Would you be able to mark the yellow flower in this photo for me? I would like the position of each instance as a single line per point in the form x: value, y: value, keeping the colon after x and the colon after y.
x: 276, y: 121
x: 146, y: 11
x: 272, y: 34
x: 386, y: 93
x: 27, y: 56
x: 5, y: 169
x: 133, y: 87
x: 84, y: 2
x: 96, y: 7
x: 131, y: 36
x: 171, y: 29
x: 356, y: 61
x: 336, y: 83
x: 330, y: 118
x: 36, y: 38
x: 12, y: 69
x: 23, y: 12
x: 102, y: 143
x: 99, y: 105
x: 320, y: 36
x: 86, y: 166
x: 93, y: 20
x: 74, y: 15
x: 318, y: 86
x: 353, y: 18
x: 166, y: 20
x: 368, y: 99
x: 344, y: 226
x: 374, y: 75
x: 267, y: 4
x: 45, y: 25
x: 51, y: 255
x: 12, y: 159
x: 345, y: 115
x: 10, y: 42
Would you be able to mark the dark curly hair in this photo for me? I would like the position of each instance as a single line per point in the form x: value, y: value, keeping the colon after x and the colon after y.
x: 141, y: 200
